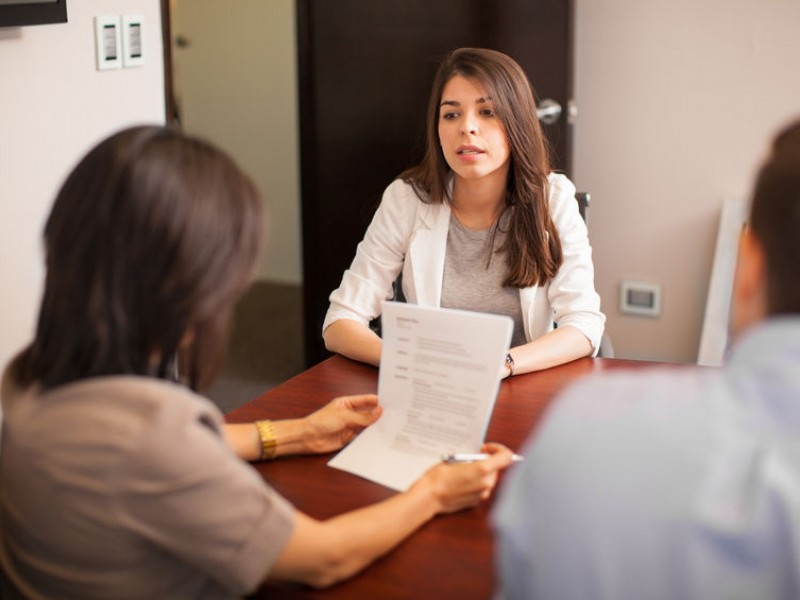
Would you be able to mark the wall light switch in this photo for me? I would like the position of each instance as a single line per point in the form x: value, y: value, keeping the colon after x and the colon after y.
x: 637, y: 298
x: 132, y: 41
x: 108, y: 43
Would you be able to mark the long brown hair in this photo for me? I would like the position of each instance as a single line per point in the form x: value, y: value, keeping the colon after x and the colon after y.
x: 151, y: 239
x: 533, y: 246
x: 775, y: 221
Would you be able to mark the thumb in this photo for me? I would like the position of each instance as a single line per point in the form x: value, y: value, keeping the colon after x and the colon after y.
x: 500, y: 456
x: 367, y: 417
x: 363, y: 402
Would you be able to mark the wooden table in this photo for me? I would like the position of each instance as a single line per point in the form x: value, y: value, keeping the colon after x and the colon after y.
x: 449, y: 557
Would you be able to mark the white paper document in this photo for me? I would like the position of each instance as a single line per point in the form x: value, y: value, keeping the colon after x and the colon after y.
x: 439, y: 376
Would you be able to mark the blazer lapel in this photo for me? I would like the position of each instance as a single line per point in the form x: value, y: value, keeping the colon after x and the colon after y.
x: 426, y: 253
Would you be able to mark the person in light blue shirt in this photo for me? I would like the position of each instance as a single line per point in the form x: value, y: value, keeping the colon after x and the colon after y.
x: 679, y: 482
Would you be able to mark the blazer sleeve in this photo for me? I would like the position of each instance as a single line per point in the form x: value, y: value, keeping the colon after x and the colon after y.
x: 378, y: 260
x: 571, y: 292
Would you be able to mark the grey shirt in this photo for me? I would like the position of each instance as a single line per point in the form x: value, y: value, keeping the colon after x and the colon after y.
x: 124, y: 487
x: 469, y: 284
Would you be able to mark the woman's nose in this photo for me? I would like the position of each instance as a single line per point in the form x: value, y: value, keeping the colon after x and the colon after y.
x: 468, y: 126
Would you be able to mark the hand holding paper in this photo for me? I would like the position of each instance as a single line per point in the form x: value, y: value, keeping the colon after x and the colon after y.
x: 437, y: 386
x: 339, y: 421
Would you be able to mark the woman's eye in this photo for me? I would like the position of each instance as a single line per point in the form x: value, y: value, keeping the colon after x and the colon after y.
x: 487, y: 112
x: 449, y: 116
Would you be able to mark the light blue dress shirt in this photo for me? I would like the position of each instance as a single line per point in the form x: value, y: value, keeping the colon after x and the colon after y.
x: 673, y: 483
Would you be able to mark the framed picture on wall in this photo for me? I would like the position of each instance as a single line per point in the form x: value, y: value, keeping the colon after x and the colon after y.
x: 16, y: 13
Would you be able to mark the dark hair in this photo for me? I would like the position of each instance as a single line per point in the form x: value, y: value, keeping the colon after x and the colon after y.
x: 533, y: 246
x: 775, y: 220
x: 152, y: 238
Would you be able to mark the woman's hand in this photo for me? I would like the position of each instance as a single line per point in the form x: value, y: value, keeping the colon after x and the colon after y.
x: 325, y: 430
x: 322, y: 553
x: 339, y: 421
x: 459, y: 486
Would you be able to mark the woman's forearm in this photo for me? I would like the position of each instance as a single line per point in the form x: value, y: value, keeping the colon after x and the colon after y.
x: 556, y: 347
x: 323, y: 553
x: 290, y: 438
x: 353, y: 340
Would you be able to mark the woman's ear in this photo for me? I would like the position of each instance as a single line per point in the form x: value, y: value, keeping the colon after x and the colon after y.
x: 187, y: 339
x: 749, y: 302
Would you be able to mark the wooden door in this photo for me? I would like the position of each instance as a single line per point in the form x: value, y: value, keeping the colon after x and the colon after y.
x: 365, y: 71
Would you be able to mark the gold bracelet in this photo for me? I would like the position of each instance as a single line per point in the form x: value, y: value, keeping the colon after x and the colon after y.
x: 268, y: 442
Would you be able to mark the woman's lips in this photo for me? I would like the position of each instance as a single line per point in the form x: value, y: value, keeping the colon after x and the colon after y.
x: 468, y: 150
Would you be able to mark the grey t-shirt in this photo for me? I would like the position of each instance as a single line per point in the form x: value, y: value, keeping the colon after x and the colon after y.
x: 468, y: 283
x: 124, y: 487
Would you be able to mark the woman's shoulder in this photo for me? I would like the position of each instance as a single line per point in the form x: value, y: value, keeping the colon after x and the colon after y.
x: 145, y: 401
x: 560, y: 186
x: 404, y: 191
x: 562, y: 202
x: 403, y: 201
x: 134, y: 409
x: 132, y: 418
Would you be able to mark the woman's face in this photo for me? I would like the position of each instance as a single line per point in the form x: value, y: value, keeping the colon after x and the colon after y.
x: 473, y: 138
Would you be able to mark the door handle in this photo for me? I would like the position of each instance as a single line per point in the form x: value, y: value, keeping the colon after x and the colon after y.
x: 548, y: 111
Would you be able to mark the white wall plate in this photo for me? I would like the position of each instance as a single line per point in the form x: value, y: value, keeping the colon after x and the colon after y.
x: 639, y: 298
x: 133, y: 41
x: 108, y: 42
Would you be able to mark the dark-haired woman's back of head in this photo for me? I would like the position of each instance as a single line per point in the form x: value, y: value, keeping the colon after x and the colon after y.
x: 150, y: 241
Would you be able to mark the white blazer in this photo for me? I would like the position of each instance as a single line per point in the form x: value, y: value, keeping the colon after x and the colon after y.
x: 409, y: 235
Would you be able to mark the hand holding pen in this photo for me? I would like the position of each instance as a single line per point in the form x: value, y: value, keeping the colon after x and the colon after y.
x: 461, y: 485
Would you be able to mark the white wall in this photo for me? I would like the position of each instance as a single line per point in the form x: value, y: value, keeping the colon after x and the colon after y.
x: 677, y: 101
x: 237, y: 86
x: 54, y: 106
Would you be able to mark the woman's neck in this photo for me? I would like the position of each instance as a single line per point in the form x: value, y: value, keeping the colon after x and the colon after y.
x: 477, y: 203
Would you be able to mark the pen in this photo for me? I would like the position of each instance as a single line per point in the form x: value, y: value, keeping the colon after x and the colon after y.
x: 472, y: 457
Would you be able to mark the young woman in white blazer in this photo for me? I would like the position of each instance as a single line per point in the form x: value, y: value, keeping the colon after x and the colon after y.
x: 480, y: 224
